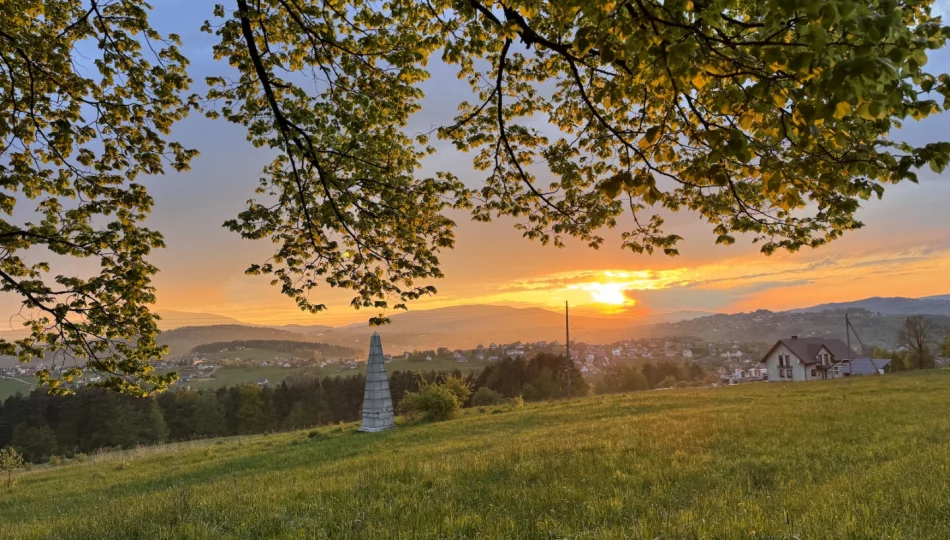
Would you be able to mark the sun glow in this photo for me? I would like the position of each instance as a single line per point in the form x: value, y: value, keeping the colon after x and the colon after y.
x: 609, y: 293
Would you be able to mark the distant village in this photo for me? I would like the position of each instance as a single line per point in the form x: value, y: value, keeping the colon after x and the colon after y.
x: 805, y: 358
x: 730, y: 359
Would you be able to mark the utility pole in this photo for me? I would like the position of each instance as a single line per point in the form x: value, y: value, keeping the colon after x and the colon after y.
x: 847, y: 331
x: 864, y: 352
x: 567, y: 334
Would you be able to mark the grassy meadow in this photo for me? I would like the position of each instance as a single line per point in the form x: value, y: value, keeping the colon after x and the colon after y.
x: 231, y: 376
x: 10, y: 387
x: 436, y: 364
x: 856, y: 458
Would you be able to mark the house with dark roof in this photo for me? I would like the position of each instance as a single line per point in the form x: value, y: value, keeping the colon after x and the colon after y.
x: 806, y: 359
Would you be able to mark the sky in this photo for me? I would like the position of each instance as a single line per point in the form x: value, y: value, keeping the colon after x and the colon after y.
x: 904, y: 249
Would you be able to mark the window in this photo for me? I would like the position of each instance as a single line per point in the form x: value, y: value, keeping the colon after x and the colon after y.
x: 812, y: 372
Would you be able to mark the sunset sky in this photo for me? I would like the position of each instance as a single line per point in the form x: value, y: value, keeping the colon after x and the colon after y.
x: 904, y: 250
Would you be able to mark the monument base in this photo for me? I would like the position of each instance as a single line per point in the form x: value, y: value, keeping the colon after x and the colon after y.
x: 366, y: 429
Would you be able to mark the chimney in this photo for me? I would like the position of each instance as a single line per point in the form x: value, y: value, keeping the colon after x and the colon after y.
x: 794, y: 337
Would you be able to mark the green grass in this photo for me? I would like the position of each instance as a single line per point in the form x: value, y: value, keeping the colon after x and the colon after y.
x: 230, y: 376
x: 10, y: 387
x: 438, y: 364
x: 259, y: 355
x: 858, y: 458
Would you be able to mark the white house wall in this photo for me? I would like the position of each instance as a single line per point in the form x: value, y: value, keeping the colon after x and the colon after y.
x: 798, y: 368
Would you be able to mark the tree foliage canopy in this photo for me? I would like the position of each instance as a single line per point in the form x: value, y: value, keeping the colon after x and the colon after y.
x: 770, y: 118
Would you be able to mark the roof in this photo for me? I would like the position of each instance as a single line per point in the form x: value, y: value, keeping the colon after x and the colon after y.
x: 807, y: 348
x: 863, y: 366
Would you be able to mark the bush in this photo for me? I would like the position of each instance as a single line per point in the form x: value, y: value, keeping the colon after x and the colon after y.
x: 431, y: 403
x: 516, y: 402
x: 459, y: 387
x: 682, y: 384
x: 486, y: 396
x: 55, y: 460
x: 10, y: 460
x: 668, y: 382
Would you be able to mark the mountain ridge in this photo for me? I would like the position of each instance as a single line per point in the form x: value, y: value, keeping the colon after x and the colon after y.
x: 889, y: 305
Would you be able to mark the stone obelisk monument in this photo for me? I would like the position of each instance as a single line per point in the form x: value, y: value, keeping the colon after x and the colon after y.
x: 377, y: 401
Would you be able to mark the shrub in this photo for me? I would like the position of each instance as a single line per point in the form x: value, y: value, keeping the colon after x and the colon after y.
x: 10, y: 460
x: 486, y: 396
x: 516, y: 402
x: 668, y: 382
x: 459, y: 387
x: 682, y: 384
x: 431, y: 403
x: 55, y: 460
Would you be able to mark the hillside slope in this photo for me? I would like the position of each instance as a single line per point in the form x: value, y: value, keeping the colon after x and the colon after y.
x: 183, y: 340
x: 870, y: 459
x: 766, y: 326
x: 931, y: 305
x: 467, y: 326
x: 177, y: 319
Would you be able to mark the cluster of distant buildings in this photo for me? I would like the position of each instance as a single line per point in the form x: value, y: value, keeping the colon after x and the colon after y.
x: 793, y: 359
x: 595, y: 358
x: 26, y: 370
x: 30, y: 370
x: 482, y: 353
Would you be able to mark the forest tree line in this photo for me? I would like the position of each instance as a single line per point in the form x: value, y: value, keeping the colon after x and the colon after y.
x: 40, y: 426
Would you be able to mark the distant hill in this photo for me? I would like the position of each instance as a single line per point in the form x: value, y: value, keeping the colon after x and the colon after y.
x: 183, y: 340
x: 931, y: 305
x: 292, y: 347
x: 178, y: 319
x: 457, y: 327
x: 305, y: 328
x: 462, y: 327
x: 467, y: 326
x: 874, y: 329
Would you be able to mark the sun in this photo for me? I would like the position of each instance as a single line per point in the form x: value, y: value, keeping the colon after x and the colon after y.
x: 609, y: 293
